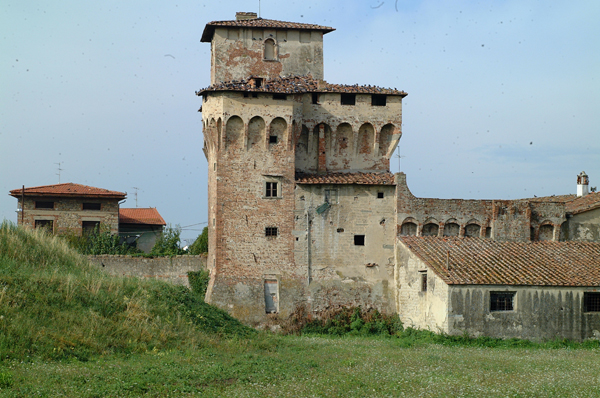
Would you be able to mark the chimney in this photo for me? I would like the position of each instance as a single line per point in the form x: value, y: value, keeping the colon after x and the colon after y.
x: 241, y: 16
x: 582, y: 184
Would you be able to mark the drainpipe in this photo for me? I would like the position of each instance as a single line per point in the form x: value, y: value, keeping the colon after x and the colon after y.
x: 308, y: 259
x: 22, y: 205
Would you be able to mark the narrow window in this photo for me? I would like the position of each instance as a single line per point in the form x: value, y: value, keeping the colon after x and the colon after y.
x: 279, y: 96
x: 315, y: 98
x: 270, y: 49
x: 246, y: 94
x: 379, y: 195
x: 502, y: 301
x: 258, y: 82
x: 331, y: 196
x: 271, y: 189
x: 340, y: 230
x: 272, y: 139
x: 90, y: 227
x: 378, y: 100
x: 423, y: 281
x: 271, y: 231
x: 591, y: 302
x: 348, y: 99
x: 255, y: 95
x: 46, y: 224
x: 44, y: 205
x: 359, y: 240
x: 92, y: 206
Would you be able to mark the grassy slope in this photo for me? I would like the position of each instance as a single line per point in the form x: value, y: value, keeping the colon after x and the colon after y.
x: 54, y: 304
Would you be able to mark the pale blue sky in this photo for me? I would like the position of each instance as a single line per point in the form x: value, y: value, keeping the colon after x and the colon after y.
x: 504, y: 96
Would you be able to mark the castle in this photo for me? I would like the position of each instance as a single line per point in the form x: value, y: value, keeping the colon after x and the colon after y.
x: 303, y: 210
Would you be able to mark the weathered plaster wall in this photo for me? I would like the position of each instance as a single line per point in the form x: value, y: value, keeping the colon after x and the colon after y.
x: 342, y: 273
x: 583, y: 227
x: 68, y: 214
x: 540, y: 313
x: 238, y: 53
x: 417, y: 308
x: 169, y: 269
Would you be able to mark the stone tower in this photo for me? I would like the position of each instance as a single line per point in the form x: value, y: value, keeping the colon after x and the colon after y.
x: 301, y: 200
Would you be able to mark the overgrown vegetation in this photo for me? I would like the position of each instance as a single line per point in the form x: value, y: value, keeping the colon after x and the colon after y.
x: 54, y: 304
x: 199, y: 282
x: 200, y: 245
x: 167, y: 243
x: 99, y: 242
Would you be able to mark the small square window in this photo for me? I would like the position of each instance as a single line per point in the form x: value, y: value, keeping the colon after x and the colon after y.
x: 502, y: 301
x: 272, y: 139
x: 90, y: 227
x: 271, y: 189
x: 359, y: 240
x: 379, y: 195
x: 44, y: 205
x: 46, y: 224
x: 271, y: 231
x: 348, y: 99
x: 92, y: 206
x: 591, y: 302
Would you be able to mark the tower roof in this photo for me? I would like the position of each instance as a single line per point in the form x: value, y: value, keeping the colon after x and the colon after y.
x: 209, y: 29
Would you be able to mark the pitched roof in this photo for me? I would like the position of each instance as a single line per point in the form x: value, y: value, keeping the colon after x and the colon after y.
x: 553, y: 198
x: 580, y: 204
x: 478, y: 261
x: 385, y: 178
x: 298, y: 85
x: 209, y: 29
x: 138, y: 215
x: 68, y: 189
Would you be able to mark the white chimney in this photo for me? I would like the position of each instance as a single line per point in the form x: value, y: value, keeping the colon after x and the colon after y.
x: 582, y: 184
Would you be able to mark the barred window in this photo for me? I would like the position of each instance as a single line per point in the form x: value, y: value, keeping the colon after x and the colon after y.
x: 502, y: 301
x: 271, y: 231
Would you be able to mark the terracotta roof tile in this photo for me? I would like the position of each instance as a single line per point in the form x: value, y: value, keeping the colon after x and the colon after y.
x: 209, y: 29
x: 477, y: 261
x: 298, y: 85
x: 590, y: 201
x: 553, y: 198
x: 385, y: 178
x: 68, y: 189
x: 141, y: 216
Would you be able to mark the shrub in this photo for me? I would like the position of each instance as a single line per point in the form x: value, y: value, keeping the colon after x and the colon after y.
x: 199, y: 282
x: 167, y: 243
x: 200, y: 245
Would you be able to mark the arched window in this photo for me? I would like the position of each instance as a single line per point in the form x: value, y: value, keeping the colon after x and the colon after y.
x: 408, y: 229
x: 430, y: 229
x: 270, y: 49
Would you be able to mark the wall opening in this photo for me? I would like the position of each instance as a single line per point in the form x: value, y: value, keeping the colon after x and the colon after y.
x: 271, y: 231
x: 378, y: 100
x: 423, y: 281
x: 92, y: 206
x: 44, y: 205
x: 348, y: 99
x: 451, y: 229
x: 359, y: 240
x: 430, y: 229
x: 472, y: 231
x: 502, y: 301
x: 269, y: 51
x: 591, y: 302
x: 271, y: 296
x: 408, y: 229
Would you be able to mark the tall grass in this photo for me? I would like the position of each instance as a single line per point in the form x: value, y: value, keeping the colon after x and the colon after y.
x: 55, y: 304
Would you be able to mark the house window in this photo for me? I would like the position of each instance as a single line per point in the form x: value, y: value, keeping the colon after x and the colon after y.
x: 378, y: 100
x: 359, y: 240
x: 271, y: 231
x: 331, y: 196
x: 272, y: 139
x: 502, y: 301
x: 315, y: 98
x: 591, y: 302
x: 90, y: 227
x: 44, y: 205
x: 46, y: 224
x: 269, y: 50
x: 92, y: 206
x: 348, y: 99
x: 258, y: 83
x: 423, y: 281
x: 279, y: 96
x: 271, y: 190
x: 379, y: 195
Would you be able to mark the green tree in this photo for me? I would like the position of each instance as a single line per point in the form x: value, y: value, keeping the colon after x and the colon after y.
x: 167, y: 243
x: 200, y: 245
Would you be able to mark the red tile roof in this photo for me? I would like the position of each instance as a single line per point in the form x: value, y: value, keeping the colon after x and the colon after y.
x: 477, y: 261
x: 68, y: 189
x: 553, y: 198
x: 385, y: 178
x: 209, y: 29
x: 590, y: 201
x: 141, y: 216
x: 298, y: 85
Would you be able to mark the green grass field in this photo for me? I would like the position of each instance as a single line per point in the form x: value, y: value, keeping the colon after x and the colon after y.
x: 68, y: 330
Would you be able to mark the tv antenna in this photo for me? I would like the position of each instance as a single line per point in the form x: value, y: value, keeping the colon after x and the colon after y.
x: 59, y: 170
x: 136, y: 195
x: 399, y: 159
x: 259, y: 8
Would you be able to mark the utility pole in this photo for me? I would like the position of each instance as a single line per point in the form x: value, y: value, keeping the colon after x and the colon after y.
x: 135, y: 194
